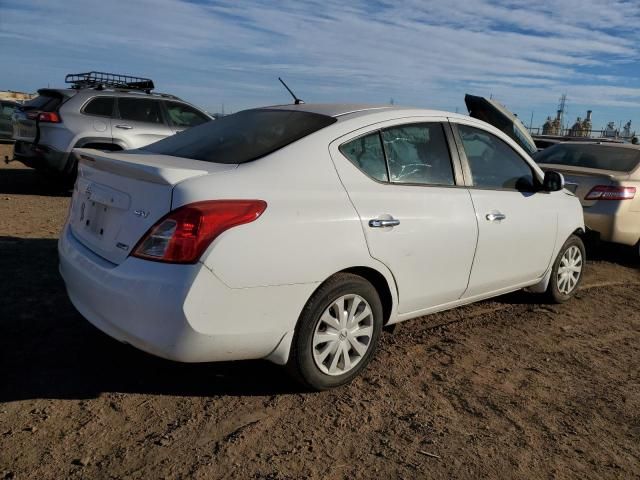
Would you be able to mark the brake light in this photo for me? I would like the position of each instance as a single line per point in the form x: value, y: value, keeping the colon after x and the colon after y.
x: 183, y: 235
x: 48, y: 117
x: 604, y: 192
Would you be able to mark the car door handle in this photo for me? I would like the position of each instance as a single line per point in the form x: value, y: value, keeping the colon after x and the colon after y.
x: 382, y: 223
x: 124, y: 127
x: 495, y: 216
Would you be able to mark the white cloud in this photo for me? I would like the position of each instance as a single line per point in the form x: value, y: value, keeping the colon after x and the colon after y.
x: 417, y: 51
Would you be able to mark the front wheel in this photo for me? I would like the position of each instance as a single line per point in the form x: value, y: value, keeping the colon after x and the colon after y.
x: 337, y: 333
x: 567, y: 270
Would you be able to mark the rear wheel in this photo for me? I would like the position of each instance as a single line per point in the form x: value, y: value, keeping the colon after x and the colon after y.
x: 566, y: 274
x: 337, y: 333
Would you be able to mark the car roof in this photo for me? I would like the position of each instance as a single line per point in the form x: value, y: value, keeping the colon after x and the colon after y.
x: 352, y: 110
x: 89, y: 92
x: 602, y: 143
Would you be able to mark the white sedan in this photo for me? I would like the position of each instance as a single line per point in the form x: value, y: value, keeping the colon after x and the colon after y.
x: 296, y: 233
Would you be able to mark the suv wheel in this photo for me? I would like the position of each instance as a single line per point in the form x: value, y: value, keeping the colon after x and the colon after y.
x: 337, y: 333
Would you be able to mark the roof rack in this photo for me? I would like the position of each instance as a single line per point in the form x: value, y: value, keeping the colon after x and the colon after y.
x: 100, y: 80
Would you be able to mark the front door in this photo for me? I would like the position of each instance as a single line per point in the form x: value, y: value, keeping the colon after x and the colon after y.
x: 417, y: 217
x: 517, y: 222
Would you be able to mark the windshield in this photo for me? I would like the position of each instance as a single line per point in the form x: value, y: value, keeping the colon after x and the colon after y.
x: 601, y: 157
x: 241, y: 137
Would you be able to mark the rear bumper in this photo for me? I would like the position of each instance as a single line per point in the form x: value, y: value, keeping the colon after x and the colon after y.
x: 178, y: 312
x: 615, y: 225
x: 41, y: 157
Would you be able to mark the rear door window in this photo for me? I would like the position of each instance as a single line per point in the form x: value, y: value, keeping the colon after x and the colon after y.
x: 367, y: 154
x: 418, y: 153
x: 144, y: 110
x: 101, y: 106
x: 184, y: 116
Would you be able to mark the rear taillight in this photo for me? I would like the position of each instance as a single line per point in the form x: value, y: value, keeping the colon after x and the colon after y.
x: 184, y: 234
x: 604, y: 192
x: 48, y: 117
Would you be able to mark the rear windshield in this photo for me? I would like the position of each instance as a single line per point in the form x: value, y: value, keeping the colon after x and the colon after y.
x: 241, y: 137
x: 602, y: 157
x: 45, y: 103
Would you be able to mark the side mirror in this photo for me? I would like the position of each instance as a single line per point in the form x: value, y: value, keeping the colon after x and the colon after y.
x: 553, y: 181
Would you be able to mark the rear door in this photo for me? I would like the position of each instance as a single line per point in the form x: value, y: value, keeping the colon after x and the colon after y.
x: 517, y: 222
x: 417, y: 216
x: 182, y: 116
x: 99, y: 112
x: 139, y: 122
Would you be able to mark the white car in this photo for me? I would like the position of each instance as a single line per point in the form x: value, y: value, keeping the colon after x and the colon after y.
x: 295, y: 233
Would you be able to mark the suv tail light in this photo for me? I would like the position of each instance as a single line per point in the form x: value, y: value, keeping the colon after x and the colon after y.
x: 184, y: 234
x: 45, y: 117
x: 604, y: 192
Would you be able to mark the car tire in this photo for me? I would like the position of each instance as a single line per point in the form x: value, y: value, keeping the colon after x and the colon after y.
x: 343, y: 310
x: 565, y: 280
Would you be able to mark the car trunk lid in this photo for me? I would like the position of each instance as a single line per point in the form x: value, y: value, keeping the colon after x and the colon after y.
x: 119, y: 196
x: 581, y: 181
x: 492, y: 112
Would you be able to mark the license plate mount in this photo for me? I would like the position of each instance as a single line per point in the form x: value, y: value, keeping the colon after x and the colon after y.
x: 93, y: 216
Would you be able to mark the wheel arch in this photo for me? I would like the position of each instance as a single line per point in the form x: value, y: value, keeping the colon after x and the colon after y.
x: 96, y: 142
x: 383, y: 285
x: 542, y: 286
x: 379, y: 282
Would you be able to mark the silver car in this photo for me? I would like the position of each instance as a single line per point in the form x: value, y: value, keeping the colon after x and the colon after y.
x: 100, y: 110
x: 7, y: 108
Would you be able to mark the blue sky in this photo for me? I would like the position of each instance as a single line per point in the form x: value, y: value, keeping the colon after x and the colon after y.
x: 418, y: 52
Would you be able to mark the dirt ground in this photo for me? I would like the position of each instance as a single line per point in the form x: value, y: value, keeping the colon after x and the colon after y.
x: 509, y: 388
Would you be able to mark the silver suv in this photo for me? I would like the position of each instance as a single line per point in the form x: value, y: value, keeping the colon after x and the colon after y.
x: 100, y: 110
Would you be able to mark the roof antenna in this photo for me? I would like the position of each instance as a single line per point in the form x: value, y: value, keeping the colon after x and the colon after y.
x: 297, y: 101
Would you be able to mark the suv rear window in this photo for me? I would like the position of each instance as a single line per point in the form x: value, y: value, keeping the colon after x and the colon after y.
x: 102, y: 106
x: 241, y: 137
x: 602, y: 157
x: 44, y: 103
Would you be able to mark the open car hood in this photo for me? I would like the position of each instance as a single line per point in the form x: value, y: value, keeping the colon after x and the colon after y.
x: 497, y: 115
